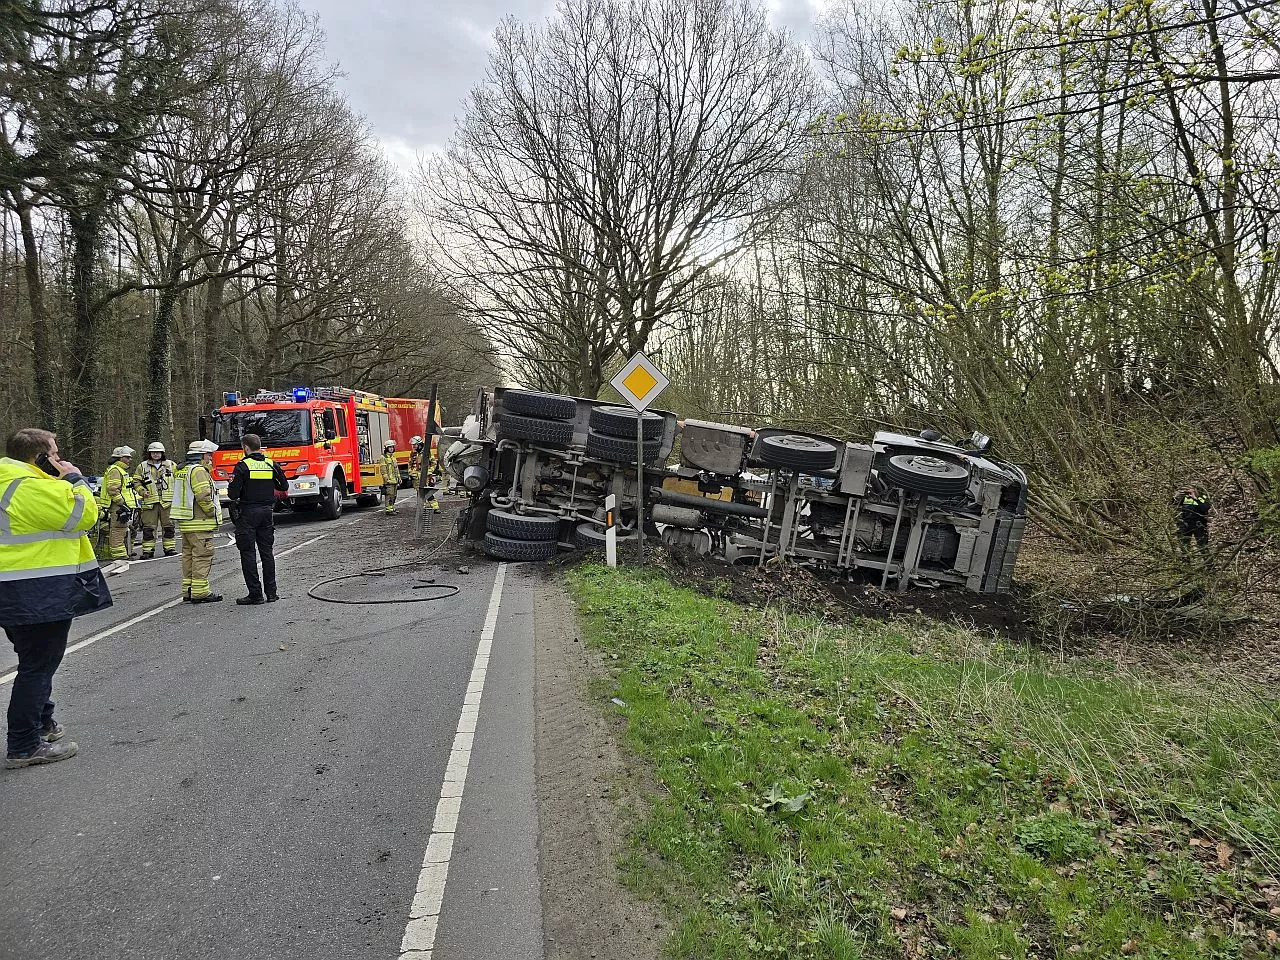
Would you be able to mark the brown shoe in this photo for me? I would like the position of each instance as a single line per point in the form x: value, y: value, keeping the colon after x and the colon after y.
x: 45, y: 753
x: 52, y: 732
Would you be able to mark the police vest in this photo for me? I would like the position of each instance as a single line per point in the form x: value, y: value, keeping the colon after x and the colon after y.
x: 47, y: 568
x: 260, y: 486
x: 192, y: 483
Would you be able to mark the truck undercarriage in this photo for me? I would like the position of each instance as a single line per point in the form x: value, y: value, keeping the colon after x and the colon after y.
x: 903, y: 509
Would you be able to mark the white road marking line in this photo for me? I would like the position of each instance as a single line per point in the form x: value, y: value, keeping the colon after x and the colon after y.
x: 146, y: 615
x: 424, y: 916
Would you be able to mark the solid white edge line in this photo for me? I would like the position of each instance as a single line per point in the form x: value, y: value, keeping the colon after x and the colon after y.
x: 147, y: 614
x: 424, y: 915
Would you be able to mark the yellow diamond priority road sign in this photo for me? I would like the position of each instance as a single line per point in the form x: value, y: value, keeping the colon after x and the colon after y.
x: 640, y: 382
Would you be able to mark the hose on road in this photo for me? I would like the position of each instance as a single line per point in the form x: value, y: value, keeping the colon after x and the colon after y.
x: 449, y: 589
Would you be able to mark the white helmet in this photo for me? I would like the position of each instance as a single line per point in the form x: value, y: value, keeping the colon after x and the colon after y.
x: 121, y: 452
x: 201, y: 447
x: 415, y: 440
x: 155, y: 447
x: 389, y: 445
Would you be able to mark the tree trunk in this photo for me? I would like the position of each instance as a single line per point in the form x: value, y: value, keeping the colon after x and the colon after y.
x: 39, y: 317
x: 84, y: 417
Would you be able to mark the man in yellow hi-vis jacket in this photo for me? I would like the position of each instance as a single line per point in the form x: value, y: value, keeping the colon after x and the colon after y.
x: 155, y: 478
x: 48, y: 576
x: 198, y: 513
x: 118, y: 498
x: 390, y: 477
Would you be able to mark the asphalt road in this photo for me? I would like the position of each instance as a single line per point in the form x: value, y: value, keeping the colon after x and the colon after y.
x: 263, y: 782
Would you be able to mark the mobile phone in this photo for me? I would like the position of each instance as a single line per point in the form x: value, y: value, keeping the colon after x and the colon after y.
x: 45, y: 464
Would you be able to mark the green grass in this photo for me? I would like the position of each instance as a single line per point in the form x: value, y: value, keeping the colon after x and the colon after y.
x: 911, y: 790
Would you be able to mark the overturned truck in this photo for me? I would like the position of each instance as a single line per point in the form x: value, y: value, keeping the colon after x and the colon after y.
x: 902, y: 509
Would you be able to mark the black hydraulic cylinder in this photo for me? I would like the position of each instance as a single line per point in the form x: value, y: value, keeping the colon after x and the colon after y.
x: 658, y: 495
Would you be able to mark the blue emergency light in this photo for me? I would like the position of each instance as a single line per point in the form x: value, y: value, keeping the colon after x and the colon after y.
x: 231, y: 399
x: 301, y: 394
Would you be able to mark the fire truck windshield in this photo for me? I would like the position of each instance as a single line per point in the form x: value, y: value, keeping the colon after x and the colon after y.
x: 277, y: 428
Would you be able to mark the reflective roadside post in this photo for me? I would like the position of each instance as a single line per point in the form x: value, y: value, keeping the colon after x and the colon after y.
x: 640, y: 381
x: 610, y: 531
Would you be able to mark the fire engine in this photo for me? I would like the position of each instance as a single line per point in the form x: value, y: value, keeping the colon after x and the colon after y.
x: 408, y: 417
x: 328, y: 440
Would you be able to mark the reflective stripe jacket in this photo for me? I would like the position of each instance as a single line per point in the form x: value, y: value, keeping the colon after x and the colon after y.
x: 390, y: 470
x: 117, y: 488
x: 255, y: 480
x: 156, y: 479
x: 47, y: 568
x: 195, y: 507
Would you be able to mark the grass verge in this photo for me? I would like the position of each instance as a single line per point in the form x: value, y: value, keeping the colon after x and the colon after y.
x: 912, y: 790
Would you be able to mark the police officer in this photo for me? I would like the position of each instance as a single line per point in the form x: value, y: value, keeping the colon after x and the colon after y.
x: 48, y: 575
x: 1193, y: 505
x: 198, y: 513
x: 155, y: 474
x: 252, y: 493
x: 118, y: 499
x: 390, y: 477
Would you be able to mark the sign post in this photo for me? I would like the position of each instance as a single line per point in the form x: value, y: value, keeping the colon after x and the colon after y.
x: 610, y: 531
x: 640, y: 381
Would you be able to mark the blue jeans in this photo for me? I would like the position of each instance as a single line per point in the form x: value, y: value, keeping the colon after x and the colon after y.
x: 40, y: 647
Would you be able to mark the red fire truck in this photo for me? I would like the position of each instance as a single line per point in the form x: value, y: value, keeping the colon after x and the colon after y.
x: 408, y: 418
x: 328, y: 440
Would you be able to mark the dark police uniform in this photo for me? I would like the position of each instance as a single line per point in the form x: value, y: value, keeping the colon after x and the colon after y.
x: 253, y: 487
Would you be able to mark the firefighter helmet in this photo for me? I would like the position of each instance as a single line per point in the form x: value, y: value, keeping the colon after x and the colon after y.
x: 119, y: 453
x: 389, y: 445
x: 156, y: 447
x: 201, y: 447
x: 415, y: 440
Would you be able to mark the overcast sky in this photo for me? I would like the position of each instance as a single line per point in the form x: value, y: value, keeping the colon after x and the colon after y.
x: 409, y: 63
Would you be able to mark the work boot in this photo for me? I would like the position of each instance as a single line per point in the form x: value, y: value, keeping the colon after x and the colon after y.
x: 44, y: 753
x: 52, y: 732
x: 250, y: 601
x: 170, y: 552
x: 207, y: 598
x: 272, y: 597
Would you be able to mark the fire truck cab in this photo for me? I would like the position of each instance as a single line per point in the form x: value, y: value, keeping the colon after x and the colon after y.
x: 328, y: 441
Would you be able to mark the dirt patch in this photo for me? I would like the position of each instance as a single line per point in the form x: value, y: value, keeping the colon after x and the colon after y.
x: 586, y: 793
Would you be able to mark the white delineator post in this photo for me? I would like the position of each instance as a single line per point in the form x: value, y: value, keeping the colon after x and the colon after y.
x: 610, y: 531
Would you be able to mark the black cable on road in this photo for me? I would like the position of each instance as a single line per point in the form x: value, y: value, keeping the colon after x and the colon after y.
x: 450, y: 589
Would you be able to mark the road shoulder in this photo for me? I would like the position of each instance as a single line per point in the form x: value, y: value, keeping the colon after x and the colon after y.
x: 585, y: 790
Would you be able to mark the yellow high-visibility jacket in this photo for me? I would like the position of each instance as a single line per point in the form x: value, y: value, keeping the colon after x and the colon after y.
x: 156, y: 480
x: 195, y: 507
x: 390, y: 470
x: 47, y: 568
x: 117, y: 488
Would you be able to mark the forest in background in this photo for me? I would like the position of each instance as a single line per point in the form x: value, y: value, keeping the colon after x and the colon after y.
x: 188, y: 206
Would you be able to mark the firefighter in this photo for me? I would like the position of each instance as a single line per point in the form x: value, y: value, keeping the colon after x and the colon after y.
x: 198, y: 513
x: 415, y: 460
x: 390, y: 477
x: 1193, y: 505
x: 252, y: 494
x: 118, y: 499
x: 155, y: 474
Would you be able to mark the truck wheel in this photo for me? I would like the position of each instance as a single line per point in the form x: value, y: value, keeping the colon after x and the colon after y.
x: 331, y: 500
x: 514, y: 526
x: 925, y: 473
x: 589, y: 536
x: 795, y: 451
x: 621, y: 422
x: 620, y: 450
x: 545, y: 406
x: 507, y: 548
x: 556, y: 433
x: 369, y: 499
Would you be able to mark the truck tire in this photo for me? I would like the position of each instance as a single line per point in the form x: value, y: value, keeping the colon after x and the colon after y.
x: 796, y: 451
x: 331, y: 499
x: 544, y: 406
x: 515, y: 526
x: 619, y: 449
x: 926, y: 473
x: 507, y: 548
x: 588, y: 536
x: 556, y: 433
x: 621, y: 422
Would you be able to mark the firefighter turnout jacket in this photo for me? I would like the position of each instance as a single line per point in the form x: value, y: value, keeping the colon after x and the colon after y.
x: 195, y: 506
x: 156, y: 480
x: 390, y: 471
x: 255, y: 481
x: 47, y: 568
x: 117, y: 489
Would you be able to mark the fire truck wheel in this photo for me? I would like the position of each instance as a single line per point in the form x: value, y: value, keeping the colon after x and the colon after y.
x: 588, y: 535
x: 369, y: 499
x: 796, y: 451
x: 514, y: 526
x: 331, y: 501
x: 545, y: 406
x: 925, y: 473
x: 621, y: 422
x: 620, y: 450
x: 506, y: 548
x: 557, y: 433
